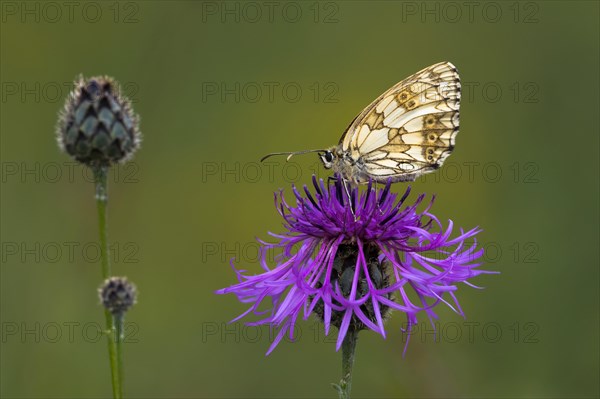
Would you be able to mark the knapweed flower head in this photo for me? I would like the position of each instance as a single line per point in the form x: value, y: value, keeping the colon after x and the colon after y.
x: 351, y: 256
x: 98, y: 126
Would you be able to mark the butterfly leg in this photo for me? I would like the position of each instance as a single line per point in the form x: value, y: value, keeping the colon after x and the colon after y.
x: 375, y: 188
x: 377, y: 202
x: 347, y: 183
x: 329, y: 179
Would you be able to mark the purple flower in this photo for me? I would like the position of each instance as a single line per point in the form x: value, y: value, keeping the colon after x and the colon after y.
x: 351, y: 257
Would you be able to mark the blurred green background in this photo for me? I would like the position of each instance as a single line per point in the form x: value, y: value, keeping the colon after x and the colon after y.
x: 218, y: 85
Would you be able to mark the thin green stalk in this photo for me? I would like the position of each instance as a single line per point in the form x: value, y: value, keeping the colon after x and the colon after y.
x: 348, y: 351
x: 100, y: 179
x: 119, y: 322
x: 113, y: 356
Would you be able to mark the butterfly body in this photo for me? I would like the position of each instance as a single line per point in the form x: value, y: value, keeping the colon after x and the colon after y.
x: 354, y: 170
x: 407, y: 131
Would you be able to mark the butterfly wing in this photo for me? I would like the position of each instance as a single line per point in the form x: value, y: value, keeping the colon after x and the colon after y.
x: 410, y: 129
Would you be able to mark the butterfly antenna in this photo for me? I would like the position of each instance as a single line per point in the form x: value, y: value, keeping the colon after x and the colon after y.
x: 289, y: 154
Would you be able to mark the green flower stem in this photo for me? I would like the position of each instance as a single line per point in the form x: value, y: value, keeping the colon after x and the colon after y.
x: 113, y: 356
x: 100, y: 179
x: 348, y: 350
x: 120, y: 322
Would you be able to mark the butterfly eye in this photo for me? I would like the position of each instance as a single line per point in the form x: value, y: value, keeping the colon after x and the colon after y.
x: 328, y: 156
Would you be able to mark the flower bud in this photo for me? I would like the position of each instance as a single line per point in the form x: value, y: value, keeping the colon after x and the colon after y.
x: 117, y: 295
x: 97, y: 126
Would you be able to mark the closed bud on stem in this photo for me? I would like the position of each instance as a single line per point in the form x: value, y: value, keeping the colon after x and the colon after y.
x: 117, y: 295
x: 98, y: 126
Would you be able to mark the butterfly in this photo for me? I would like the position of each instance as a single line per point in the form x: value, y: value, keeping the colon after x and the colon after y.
x: 407, y: 131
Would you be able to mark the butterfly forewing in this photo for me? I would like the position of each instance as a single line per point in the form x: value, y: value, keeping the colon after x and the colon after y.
x: 410, y: 129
